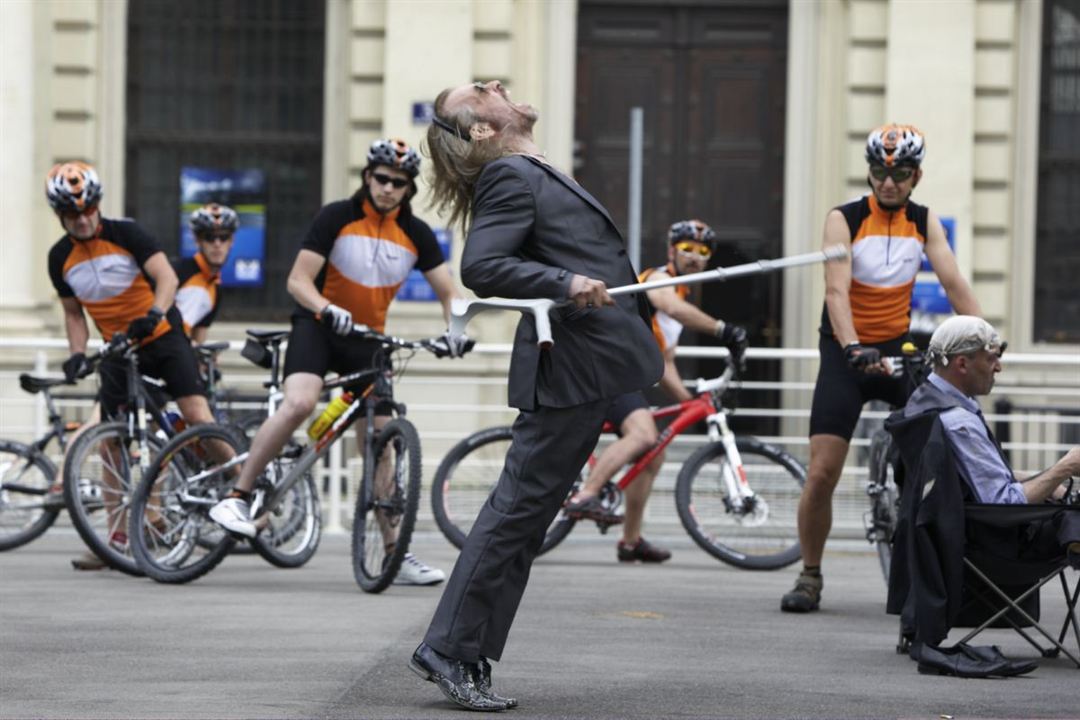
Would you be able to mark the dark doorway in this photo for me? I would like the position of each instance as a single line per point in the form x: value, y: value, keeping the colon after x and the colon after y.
x: 711, y: 78
x: 228, y: 84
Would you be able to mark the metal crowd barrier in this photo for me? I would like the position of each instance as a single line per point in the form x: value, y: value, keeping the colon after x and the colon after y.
x: 1035, y: 416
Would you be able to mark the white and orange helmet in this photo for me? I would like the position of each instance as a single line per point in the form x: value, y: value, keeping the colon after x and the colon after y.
x: 893, y: 145
x: 72, y: 187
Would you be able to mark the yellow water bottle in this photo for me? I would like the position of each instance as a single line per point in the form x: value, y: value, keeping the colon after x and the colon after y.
x: 333, y: 411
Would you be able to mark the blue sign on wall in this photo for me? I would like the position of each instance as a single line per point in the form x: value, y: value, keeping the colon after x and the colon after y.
x: 422, y: 112
x: 245, y: 192
x: 416, y: 286
x: 928, y: 296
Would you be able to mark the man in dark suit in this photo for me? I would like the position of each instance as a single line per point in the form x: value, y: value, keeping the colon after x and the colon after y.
x: 535, y: 233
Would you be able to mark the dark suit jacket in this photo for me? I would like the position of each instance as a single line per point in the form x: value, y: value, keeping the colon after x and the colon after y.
x: 533, y: 228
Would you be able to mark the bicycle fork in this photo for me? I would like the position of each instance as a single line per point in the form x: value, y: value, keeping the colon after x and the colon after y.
x: 739, y: 498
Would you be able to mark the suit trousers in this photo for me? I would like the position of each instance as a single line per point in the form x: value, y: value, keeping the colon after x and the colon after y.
x: 548, y: 448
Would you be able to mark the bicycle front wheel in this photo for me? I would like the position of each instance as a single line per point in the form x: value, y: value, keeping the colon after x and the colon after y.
x: 763, y: 534
x: 102, y: 469
x: 465, y: 479
x: 884, y: 512
x: 172, y: 536
x: 294, y: 527
x: 25, y: 479
x: 386, y: 506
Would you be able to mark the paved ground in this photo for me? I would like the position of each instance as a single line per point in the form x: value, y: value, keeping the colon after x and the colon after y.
x: 691, y: 639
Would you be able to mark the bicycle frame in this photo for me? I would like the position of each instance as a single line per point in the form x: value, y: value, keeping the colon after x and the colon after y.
x: 708, y: 407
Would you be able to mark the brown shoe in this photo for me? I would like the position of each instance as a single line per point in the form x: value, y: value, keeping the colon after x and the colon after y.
x: 591, y: 509
x: 642, y: 551
x: 88, y: 561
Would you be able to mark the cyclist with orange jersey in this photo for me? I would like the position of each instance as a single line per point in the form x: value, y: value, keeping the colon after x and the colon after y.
x: 690, y: 245
x: 866, y: 316
x: 199, y: 296
x: 354, y: 258
x: 113, y: 270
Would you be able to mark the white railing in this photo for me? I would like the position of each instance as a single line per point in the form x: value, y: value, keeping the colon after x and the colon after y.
x: 447, y: 400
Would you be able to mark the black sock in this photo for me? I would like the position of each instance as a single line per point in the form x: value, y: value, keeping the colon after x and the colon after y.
x: 242, y: 494
x: 811, y: 570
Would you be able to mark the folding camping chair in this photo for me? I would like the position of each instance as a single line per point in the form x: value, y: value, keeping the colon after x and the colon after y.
x: 1002, y: 582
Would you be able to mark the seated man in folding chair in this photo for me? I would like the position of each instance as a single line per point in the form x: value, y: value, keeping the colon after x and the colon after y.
x: 966, y: 355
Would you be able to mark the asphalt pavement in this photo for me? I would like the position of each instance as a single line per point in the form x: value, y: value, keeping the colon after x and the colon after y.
x: 594, y: 639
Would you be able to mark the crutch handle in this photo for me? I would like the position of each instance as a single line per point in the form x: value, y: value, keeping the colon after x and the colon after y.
x: 462, y: 311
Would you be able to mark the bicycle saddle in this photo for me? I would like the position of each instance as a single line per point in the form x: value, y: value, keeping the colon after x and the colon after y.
x: 268, y: 336
x: 32, y: 384
x: 211, y: 348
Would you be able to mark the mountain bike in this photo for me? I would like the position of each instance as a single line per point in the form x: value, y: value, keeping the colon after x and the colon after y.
x: 103, y: 465
x: 882, y: 487
x: 736, y: 496
x: 187, y: 479
x: 27, y: 507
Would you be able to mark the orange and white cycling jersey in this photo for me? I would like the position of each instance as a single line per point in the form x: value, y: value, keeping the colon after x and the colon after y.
x: 886, y: 253
x: 368, y: 256
x: 666, y: 329
x: 105, y: 274
x: 198, y: 296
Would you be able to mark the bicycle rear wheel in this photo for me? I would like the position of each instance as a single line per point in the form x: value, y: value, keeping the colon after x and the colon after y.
x: 25, y: 479
x: 292, y: 535
x: 102, y: 469
x: 386, y: 505
x: 882, y: 518
x: 465, y: 479
x: 172, y: 536
x: 766, y: 537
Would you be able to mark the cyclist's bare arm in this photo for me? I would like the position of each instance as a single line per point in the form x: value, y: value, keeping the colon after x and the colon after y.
x: 442, y: 283
x: 157, y: 266
x: 670, y: 382
x: 943, y: 261
x: 78, y: 332
x: 301, y: 282
x: 838, y: 280
x: 667, y: 300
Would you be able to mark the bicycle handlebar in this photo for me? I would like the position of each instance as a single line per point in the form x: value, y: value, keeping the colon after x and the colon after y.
x: 432, y: 345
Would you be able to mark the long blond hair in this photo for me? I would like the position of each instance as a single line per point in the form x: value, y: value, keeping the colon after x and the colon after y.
x: 456, y: 163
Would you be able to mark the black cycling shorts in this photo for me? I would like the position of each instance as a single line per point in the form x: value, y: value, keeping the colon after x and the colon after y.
x: 621, y: 407
x: 841, y: 390
x: 169, y: 358
x: 316, y: 349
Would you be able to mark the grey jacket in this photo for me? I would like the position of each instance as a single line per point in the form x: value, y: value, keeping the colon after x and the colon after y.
x: 534, y: 228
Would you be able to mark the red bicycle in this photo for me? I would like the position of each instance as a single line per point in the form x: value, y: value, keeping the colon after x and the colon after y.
x: 737, y: 496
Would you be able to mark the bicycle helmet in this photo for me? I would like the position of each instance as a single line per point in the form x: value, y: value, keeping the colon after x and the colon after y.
x: 892, y: 145
x: 72, y: 187
x: 692, y: 230
x: 394, y: 153
x: 214, y: 219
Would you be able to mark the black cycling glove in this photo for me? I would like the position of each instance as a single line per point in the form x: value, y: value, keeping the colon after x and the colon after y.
x: 144, y: 327
x: 736, y: 340
x: 860, y: 357
x: 75, y: 367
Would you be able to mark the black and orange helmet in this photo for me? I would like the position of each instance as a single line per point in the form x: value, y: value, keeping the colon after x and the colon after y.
x: 893, y: 145
x: 692, y: 230
x: 72, y: 187
x: 214, y: 219
x: 395, y: 153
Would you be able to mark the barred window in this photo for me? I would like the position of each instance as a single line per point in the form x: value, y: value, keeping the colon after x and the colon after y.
x: 231, y: 85
x: 1057, y: 233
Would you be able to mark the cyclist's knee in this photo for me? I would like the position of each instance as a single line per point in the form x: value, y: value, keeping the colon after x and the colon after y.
x: 298, y: 406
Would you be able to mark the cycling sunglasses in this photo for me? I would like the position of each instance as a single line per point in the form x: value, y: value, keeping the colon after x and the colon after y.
x: 898, y: 174
x: 381, y: 179
x: 73, y: 214
x: 214, y: 238
x: 689, y: 248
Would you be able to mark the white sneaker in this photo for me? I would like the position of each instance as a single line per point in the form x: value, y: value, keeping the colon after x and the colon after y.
x: 414, y: 572
x: 234, y: 515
